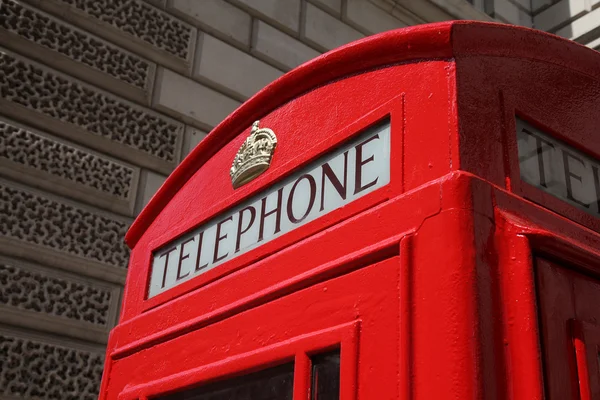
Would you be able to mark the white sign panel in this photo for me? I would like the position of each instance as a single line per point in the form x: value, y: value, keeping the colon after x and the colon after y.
x: 558, y: 168
x: 350, y: 172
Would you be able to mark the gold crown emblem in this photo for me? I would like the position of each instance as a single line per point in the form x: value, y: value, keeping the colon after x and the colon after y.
x: 254, y: 156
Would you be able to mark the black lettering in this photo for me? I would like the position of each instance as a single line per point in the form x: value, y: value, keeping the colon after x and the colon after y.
x: 181, y: 258
x: 597, y: 187
x: 264, y: 214
x: 327, y: 171
x: 569, y: 175
x: 240, y: 230
x: 311, y: 201
x: 219, y: 238
x: 199, y: 253
x: 358, y: 186
x: 539, y: 148
x: 166, y: 264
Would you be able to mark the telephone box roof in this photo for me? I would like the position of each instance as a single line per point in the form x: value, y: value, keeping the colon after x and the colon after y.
x: 445, y: 40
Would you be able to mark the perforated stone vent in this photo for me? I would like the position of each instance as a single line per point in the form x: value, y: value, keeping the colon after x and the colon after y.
x: 98, y: 113
x: 31, y: 369
x: 142, y: 21
x: 55, y: 35
x: 34, y: 291
x: 62, y: 227
x: 80, y: 167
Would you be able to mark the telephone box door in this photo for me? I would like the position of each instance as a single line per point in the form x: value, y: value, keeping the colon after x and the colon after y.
x: 570, y: 326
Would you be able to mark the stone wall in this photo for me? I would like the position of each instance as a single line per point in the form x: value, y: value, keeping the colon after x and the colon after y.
x: 100, y: 100
x: 516, y: 12
x: 578, y: 20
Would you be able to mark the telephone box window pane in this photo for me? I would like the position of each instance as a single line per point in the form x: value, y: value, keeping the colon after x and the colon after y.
x: 558, y: 169
x: 326, y: 376
x: 271, y: 384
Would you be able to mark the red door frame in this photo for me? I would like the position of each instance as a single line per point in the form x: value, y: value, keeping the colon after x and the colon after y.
x: 299, y: 349
x: 518, y: 240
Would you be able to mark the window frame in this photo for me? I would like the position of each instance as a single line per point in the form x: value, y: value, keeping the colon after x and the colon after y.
x: 298, y: 350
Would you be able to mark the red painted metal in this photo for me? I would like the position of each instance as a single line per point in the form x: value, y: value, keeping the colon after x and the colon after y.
x: 456, y: 280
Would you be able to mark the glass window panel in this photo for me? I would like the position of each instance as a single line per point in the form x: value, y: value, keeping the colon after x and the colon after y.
x: 558, y: 168
x: 270, y: 384
x: 326, y: 376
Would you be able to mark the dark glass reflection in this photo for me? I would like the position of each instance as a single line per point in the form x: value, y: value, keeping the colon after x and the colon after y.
x: 270, y: 384
x: 326, y: 376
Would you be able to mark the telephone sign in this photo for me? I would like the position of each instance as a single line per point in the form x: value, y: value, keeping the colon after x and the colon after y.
x: 558, y: 169
x: 338, y: 178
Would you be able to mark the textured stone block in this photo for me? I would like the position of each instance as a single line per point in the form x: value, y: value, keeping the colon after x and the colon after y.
x: 149, y: 185
x: 43, y: 228
x: 157, y: 3
x: 509, y: 12
x: 217, y: 17
x: 35, y: 297
x: 52, y: 164
x: 524, y: 4
x: 56, y: 43
x: 325, y: 31
x: 370, y: 17
x: 334, y: 6
x: 283, y: 13
x: 279, y: 48
x: 82, y: 113
x: 192, y: 137
x: 133, y: 24
x: 38, y: 367
x: 231, y: 69
x: 583, y: 29
x: 461, y: 9
x: 409, y: 18
x: 413, y: 12
x: 537, y: 5
x: 594, y: 44
x: 194, y: 103
x: 559, y: 14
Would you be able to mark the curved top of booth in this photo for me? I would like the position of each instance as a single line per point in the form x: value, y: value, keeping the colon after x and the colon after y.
x: 444, y: 40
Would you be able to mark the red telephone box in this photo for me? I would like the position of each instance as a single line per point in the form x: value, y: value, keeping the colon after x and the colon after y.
x: 413, y: 216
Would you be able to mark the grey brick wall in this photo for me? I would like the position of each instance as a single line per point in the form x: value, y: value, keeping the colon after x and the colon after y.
x: 102, y: 99
x: 578, y: 20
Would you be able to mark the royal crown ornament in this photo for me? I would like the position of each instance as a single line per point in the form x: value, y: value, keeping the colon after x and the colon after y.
x: 254, y: 156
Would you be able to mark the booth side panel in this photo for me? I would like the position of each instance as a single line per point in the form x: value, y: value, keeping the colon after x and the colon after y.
x: 549, y: 275
x: 493, y: 91
x: 498, y: 96
x: 570, y: 315
x: 521, y: 333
